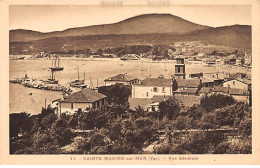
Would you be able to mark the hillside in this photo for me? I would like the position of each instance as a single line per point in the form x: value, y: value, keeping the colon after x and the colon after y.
x: 150, y: 29
x: 143, y: 24
x: 236, y: 36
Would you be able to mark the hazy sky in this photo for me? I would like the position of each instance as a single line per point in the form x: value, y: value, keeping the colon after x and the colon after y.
x: 56, y: 18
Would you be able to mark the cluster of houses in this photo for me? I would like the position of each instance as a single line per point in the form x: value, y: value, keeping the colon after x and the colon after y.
x: 149, y: 92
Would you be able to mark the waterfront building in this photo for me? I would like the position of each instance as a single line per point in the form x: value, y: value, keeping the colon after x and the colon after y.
x: 180, y: 68
x: 187, y: 86
x: 83, y: 100
x: 121, y: 78
x: 149, y: 87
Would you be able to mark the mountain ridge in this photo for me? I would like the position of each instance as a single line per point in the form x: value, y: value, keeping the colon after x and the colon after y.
x: 169, y: 29
x: 141, y: 24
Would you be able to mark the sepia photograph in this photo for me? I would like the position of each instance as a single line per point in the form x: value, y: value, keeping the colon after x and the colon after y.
x: 116, y: 82
x: 123, y: 80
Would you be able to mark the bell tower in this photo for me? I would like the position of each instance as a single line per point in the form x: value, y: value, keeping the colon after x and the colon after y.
x: 180, y: 68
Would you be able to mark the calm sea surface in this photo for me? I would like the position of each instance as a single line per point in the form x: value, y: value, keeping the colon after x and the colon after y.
x: 95, y: 71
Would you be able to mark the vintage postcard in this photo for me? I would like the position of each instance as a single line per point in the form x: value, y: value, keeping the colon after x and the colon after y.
x: 126, y: 82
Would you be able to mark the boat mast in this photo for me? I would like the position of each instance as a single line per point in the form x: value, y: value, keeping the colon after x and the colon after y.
x: 52, y: 76
x: 150, y: 70
x: 91, y: 84
x: 84, y: 78
x: 78, y: 72
x: 55, y: 62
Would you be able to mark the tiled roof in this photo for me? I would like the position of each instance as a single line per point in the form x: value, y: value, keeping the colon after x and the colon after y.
x: 135, y: 102
x: 188, y: 82
x: 245, y: 81
x: 230, y: 91
x: 237, y: 92
x: 160, y: 98
x: 205, y: 90
x: 215, y: 76
x: 187, y: 100
x: 121, y: 77
x: 187, y: 90
x: 84, y: 96
x: 206, y: 79
x: 157, y: 82
x: 220, y: 89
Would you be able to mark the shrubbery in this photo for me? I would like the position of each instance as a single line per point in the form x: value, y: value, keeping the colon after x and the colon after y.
x: 115, y: 130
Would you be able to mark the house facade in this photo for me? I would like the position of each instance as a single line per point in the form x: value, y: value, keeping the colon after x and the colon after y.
x: 150, y: 87
x: 180, y: 68
x: 187, y: 86
x: 85, y: 100
x: 236, y: 84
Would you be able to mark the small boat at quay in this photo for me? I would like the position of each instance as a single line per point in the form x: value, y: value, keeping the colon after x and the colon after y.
x: 17, y: 58
x: 52, y: 80
x: 50, y: 84
x: 77, y: 83
x: 128, y: 57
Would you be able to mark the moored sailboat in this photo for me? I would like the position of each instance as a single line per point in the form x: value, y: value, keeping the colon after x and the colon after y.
x: 78, y: 83
x: 54, y: 65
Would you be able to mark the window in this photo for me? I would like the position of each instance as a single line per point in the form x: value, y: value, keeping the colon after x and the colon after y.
x: 233, y: 82
x: 179, y: 69
x: 155, y: 89
x: 147, y: 94
x: 98, y: 104
x: 163, y: 89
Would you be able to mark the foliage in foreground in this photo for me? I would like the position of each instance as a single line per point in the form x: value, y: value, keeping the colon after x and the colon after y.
x: 116, y: 130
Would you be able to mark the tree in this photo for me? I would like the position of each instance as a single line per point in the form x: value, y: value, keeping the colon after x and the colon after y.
x: 163, y: 149
x: 139, y: 112
x: 207, y: 121
x: 88, y: 51
x: 100, y: 52
x: 45, y: 143
x: 166, y: 54
x: 244, y: 146
x: 48, y: 120
x: 116, y: 94
x: 174, y: 85
x: 215, y: 101
x: 20, y: 123
x: 115, y: 131
x: 180, y: 123
x: 169, y: 108
x: 156, y: 51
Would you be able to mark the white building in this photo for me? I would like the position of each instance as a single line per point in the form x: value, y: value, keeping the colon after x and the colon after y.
x: 150, y: 87
x: 237, y: 84
x: 85, y: 100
